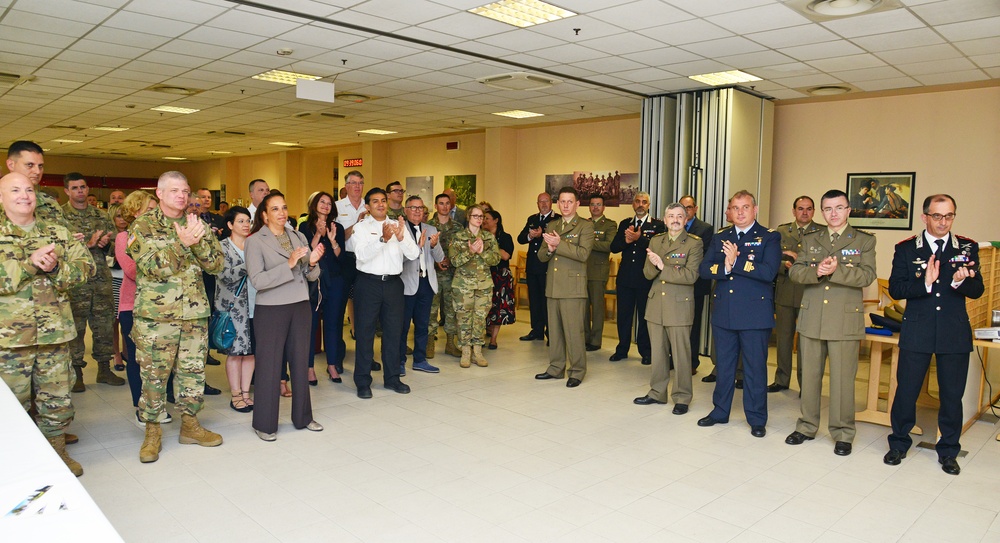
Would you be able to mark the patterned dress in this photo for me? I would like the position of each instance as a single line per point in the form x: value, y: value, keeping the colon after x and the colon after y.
x: 502, y: 309
x: 225, y: 294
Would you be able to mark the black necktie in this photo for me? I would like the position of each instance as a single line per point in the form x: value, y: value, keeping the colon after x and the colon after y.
x: 940, y: 248
x: 638, y: 224
x: 739, y: 235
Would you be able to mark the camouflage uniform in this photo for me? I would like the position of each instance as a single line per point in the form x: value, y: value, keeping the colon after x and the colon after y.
x: 472, y: 285
x: 93, y: 300
x: 37, y: 321
x: 171, y: 311
x: 395, y: 214
x: 443, y: 298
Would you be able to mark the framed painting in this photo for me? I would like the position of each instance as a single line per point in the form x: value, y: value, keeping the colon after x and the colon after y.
x: 881, y: 200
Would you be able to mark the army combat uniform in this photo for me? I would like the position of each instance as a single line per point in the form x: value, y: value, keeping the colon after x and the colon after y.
x: 598, y: 270
x: 37, y: 322
x: 472, y: 287
x: 787, y: 298
x: 443, y: 298
x: 171, y: 311
x: 93, y: 301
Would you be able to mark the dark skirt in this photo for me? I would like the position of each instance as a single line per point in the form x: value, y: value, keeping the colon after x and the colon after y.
x: 502, y: 310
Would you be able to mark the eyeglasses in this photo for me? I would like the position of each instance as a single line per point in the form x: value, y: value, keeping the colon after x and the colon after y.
x: 355, y: 183
x: 838, y: 209
x: 397, y: 190
x: 415, y: 208
x: 937, y: 217
x: 475, y: 216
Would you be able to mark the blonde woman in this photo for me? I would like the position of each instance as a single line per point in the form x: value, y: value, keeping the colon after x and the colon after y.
x: 472, y: 252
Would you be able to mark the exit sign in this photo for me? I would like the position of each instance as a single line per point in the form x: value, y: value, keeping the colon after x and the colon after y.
x: 353, y: 162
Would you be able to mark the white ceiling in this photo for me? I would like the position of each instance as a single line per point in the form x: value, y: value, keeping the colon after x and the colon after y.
x: 92, y: 61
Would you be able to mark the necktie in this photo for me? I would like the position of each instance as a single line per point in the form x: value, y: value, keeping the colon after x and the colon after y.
x: 835, y: 237
x: 802, y: 232
x: 416, y: 237
x: 638, y: 224
x: 739, y: 235
x: 940, y: 248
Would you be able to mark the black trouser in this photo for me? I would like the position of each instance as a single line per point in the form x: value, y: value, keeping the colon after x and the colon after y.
x: 283, y: 332
x: 699, y: 307
x: 632, y: 302
x: 379, y: 300
x: 537, y: 305
x: 952, y: 371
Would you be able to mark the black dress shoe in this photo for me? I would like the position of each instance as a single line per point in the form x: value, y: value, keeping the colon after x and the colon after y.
x: 842, y: 448
x: 797, y: 438
x: 364, y: 393
x: 211, y: 391
x: 211, y: 361
x: 775, y: 387
x: 680, y: 409
x: 376, y: 366
x: 709, y: 421
x: 646, y: 400
x: 530, y: 336
x: 758, y: 431
x: 949, y: 465
x: 546, y: 375
x: 646, y: 361
x: 710, y: 378
x: 400, y: 388
x: 893, y: 457
x: 616, y: 357
x: 592, y: 347
x: 739, y: 384
x: 573, y: 382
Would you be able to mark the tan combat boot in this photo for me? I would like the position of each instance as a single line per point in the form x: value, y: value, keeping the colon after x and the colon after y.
x: 59, y: 444
x: 466, y: 356
x: 71, y: 438
x: 451, y: 348
x: 106, y: 376
x: 78, y: 385
x: 477, y: 354
x: 193, y: 434
x: 151, y: 446
x: 431, y: 347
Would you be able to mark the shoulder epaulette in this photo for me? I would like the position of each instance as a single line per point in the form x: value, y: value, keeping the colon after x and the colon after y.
x: 784, y: 225
x: 723, y: 229
x: 690, y: 235
x: 965, y: 238
x: 771, y: 230
x: 908, y: 239
x: 660, y: 235
x: 864, y: 232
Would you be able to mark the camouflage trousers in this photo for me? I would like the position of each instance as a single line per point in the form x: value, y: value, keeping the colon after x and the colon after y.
x: 443, y: 299
x: 93, y: 302
x: 48, y: 367
x: 162, y: 346
x: 471, y: 307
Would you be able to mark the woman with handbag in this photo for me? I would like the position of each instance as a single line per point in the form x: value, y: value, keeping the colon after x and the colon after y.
x: 280, y: 265
x: 235, y: 295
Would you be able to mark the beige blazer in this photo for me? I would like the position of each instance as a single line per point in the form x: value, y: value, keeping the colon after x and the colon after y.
x: 567, y: 275
x: 268, y: 271
x: 671, y: 297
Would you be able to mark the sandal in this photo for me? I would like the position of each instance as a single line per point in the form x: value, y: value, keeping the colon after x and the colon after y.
x: 247, y: 398
x: 285, y: 391
x: 239, y: 404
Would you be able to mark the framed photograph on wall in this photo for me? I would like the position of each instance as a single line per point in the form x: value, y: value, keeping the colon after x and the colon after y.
x: 881, y: 200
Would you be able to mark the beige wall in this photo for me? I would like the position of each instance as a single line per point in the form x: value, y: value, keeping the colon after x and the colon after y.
x: 950, y: 139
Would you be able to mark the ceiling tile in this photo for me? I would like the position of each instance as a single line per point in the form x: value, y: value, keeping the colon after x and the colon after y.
x: 705, y: 8
x: 852, y: 62
x: 148, y: 24
x: 381, y: 48
x: 829, y: 49
x: 754, y: 60
x: 875, y: 23
x: 697, y: 67
x: 568, y: 54
x: 659, y: 57
x: 222, y: 37
x: 641, y: 14
x: 759, y: 19
x: 920, y: 54
x: 53, y: 25
x: 963, y: 76
x: 793, y: 35
x: 808, y: 81
x: 954, y: 11
x: 979, y: 47
x: 899, y: 40
x: 723, y: 47
x: 77, y: 11
x: 179, y: 10
x: 129, y: 38
x: 691, y: 31
x: 784, y: 70
x: 251, y: 23
x: 868, y: 74
x: 986, y: 61
x: 524, y: 40
x: 411, y: 12
x: 971, y: 30
x: 624, y: 43
x: 936, y: 66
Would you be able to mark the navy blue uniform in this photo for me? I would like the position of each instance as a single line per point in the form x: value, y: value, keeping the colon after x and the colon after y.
x: 743, y: 316
x: 631, y: 285
x: 534, y: 272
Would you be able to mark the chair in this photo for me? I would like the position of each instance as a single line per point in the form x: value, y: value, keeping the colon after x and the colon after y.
x: 611, y: 291
x: 520, y: 280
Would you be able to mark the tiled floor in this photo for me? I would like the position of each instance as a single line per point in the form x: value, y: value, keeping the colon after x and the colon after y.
x: 490, y: 454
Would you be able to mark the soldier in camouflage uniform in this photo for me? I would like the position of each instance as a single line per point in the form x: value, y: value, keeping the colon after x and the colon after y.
x: 93, y: 301
x: 447, y: 227
x: 41, y: 261
x: 472, y: 252
x: 171, y: 310
x: 25, y: 158
x: 394, y: 197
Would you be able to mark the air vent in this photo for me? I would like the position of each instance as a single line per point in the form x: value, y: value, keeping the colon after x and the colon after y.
x: 319, y: 116
x: 225, y: 133
x: 64, y: 127
x: 9, y: 81
x: 520, y: 81
x: 173, y: 89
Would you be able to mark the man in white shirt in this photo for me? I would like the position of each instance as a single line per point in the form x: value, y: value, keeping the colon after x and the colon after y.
x: 380, y: 246
x: 258, y: 190
x: 349, y: 210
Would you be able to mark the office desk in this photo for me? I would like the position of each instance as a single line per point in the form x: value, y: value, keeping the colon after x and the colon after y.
x: 29, y: 463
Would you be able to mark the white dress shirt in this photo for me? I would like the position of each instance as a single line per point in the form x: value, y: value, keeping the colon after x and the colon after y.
x: 347, y: 214
x: 375, y: 257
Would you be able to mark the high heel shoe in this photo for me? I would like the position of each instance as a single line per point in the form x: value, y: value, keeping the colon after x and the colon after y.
x: 332, y: 371
x: 312, y: 378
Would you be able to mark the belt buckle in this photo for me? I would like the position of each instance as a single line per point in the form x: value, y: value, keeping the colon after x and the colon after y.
x: 384, y: 278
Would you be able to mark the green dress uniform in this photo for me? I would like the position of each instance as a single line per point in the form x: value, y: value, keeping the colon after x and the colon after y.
x: 598, y: 269
x: 787, y: 297
x: 171, y: 311
x: 93, y: 301
x: 670, y: 313
x: 472, y: 285
x: 832, y: 321
x: 566, y: 294
x: 36, y: 323
x: 445, y: 274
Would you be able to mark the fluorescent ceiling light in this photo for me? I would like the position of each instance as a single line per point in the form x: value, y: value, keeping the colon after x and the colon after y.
x: 110, y: 128
x: 68, y: 141
x: 220, y: 152
x: 175, y: 109
x: 174, y: 158
x: 376, y: 131
x: 522, y: 13
x: 725, y: 78
x: 518, y: 114
x: 285, y: 143
x: 281, y: 76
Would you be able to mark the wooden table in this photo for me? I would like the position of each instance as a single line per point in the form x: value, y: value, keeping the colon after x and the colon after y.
x: 871, y: 413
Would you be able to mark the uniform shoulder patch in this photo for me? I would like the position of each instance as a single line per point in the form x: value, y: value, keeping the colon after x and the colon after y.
x: 690, y: 235
x: 865, y: 232
x: 907, y: 239
x: 723, y: 229
x: 658, y: 235
x: 771, y: 230
x: 965, y: 238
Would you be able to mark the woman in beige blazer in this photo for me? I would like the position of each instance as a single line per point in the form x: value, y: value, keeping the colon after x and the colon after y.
x: 279, y: 265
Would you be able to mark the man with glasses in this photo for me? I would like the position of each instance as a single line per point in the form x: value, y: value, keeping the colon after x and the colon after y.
x: 535, y: 269
x: 419, y: 284
x: 394, y: 191
x: 935, y: 272
x: 351, y: 209
x: 702, y: 287
x: 834, y: 265
x: 443, y: 305
x: 788, y: 294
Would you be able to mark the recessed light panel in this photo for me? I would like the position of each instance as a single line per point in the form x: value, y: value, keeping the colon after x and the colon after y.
x: 522, y: 13
x: 175, y: 109
x: 110, y: 128
x: 724, y: 78
x: 284, y: 144
x: 67, y: 141
x: 518, y: 114
x: 376, y: 131
x: 281, y: 76
x: 174, y: 158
